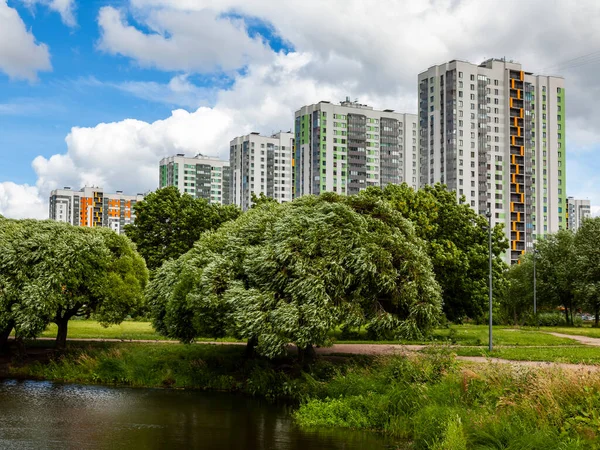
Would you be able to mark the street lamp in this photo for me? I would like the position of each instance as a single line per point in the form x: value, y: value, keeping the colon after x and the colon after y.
x: 488, y: 214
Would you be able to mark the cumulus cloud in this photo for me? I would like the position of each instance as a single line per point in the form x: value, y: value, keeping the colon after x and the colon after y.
x: 346, y: 47
x: 124, y: 155
x: 65, y: 8
x: 20, y: 55
x: 20, y: 201
x: 198, y: 41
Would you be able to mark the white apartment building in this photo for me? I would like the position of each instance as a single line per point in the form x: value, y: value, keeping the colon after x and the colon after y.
x: 577, y: 210
x: 92, y: 207
x: 261, y: 164
x: 201, y: 177
x: 347, y: 147
x: 495, y: 134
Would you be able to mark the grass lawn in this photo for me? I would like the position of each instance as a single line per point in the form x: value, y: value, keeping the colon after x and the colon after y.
x: 473, y: 335
x: 469, y: 335
x: 90, y: 329
x: 581, y: 331
x: 574, y: 354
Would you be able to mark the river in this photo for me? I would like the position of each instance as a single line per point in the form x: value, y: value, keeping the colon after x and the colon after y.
x: 45, y: 415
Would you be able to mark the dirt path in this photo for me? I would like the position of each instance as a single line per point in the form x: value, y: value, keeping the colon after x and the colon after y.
x: 392, y: 349
x: 595, y: 342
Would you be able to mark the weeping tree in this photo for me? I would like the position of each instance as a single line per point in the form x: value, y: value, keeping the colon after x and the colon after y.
x: 53, y: 272
x: 291, y: 273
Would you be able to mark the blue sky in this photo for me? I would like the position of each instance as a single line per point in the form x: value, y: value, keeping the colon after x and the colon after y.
x: 132, y: 81
x: 42, y: 113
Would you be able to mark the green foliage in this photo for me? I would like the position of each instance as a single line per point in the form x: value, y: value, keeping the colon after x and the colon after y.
x: 51, y: 272
x: 568, y: 277
x: 456, y: 240
x: 293, y: 272
x: 168, y: 223
x: 556, y: 272
x: 587, y: 265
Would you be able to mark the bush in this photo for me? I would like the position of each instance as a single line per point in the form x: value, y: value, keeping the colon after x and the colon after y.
x: 546, y: 319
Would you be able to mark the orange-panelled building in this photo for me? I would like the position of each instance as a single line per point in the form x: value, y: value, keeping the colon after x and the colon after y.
x: 92, y: 207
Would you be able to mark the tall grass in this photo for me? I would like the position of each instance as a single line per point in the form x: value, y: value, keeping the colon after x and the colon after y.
x: 435, y: 404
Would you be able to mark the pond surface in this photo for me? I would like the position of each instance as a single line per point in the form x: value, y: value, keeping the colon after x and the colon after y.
x: 45, y: 415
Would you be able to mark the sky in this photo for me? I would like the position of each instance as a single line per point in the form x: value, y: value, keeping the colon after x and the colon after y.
x: 96, y: 92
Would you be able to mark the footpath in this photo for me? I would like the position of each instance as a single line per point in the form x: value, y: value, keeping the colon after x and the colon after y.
x: 392, y: 349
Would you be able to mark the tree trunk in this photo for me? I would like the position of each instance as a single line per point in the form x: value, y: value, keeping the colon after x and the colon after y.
x: 61, y: 336
x: 307, y: 354
x: 567, y: 314
x: 596, y: 316
x: 4, y: 334
x: 250, y: 351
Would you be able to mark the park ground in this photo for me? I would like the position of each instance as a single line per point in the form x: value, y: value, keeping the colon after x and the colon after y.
x: 539, y: 388
x: 551, y: 344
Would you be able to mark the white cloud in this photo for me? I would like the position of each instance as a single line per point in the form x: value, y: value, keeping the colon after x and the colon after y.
x: 20, y: 55
x: 345, y: 47
x: 124, y: 155
x: 20, y: 201
x: 64, y: 7
x: 198, y: 41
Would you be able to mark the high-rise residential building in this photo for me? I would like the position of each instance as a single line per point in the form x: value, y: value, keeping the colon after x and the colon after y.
x: 201, y: 177
x: 261, y: 164
x: 92, y: 207
x: 577, y: 210
x: 495, y: 134
x: 347, y: 147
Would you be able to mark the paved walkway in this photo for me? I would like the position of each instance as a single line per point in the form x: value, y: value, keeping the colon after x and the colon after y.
x: 595, y: 342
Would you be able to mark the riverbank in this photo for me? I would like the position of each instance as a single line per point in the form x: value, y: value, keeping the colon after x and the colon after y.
x: 429, y: 399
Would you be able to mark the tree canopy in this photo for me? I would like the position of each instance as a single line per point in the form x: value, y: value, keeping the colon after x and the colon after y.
x: 168, y: 223
x: 568, y: 274
x: 456, y: 240
x: 292, y: 272
x: 52, y: 272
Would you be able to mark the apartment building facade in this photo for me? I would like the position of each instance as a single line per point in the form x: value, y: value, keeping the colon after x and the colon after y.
x: 261, y: 164
x: 92, y: 207
x: 577, y: 210
x: 495, y: 134
x: 199, y: 176
x: 347, y: 147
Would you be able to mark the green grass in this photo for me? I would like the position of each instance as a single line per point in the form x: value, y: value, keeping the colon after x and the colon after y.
x: 581, y: 331
x: 468, y: 335
x: 574, y: 354
x: 128, y: 330
x: 90, y: 329
x: 477, y: 335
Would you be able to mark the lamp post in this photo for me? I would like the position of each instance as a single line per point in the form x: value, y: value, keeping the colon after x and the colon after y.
x: 489, y: 216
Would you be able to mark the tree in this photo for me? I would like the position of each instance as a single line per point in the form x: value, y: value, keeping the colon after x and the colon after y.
x: 457, y: 242
x: 587, y: 265
x: 261, y: 199
x: 290, y: 273
x: 557, y: 279
x: 518, y: 299
x: 167, y: 223
x: 54, y: 272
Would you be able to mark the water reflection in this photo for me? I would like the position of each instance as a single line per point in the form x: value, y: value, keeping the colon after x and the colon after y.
x: 36, y: 415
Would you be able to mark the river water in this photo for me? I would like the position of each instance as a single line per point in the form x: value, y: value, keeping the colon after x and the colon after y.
x: 45, y: 415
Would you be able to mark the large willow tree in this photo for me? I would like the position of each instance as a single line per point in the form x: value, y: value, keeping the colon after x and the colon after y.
x: 290, y: 273
x: 52, y: 272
